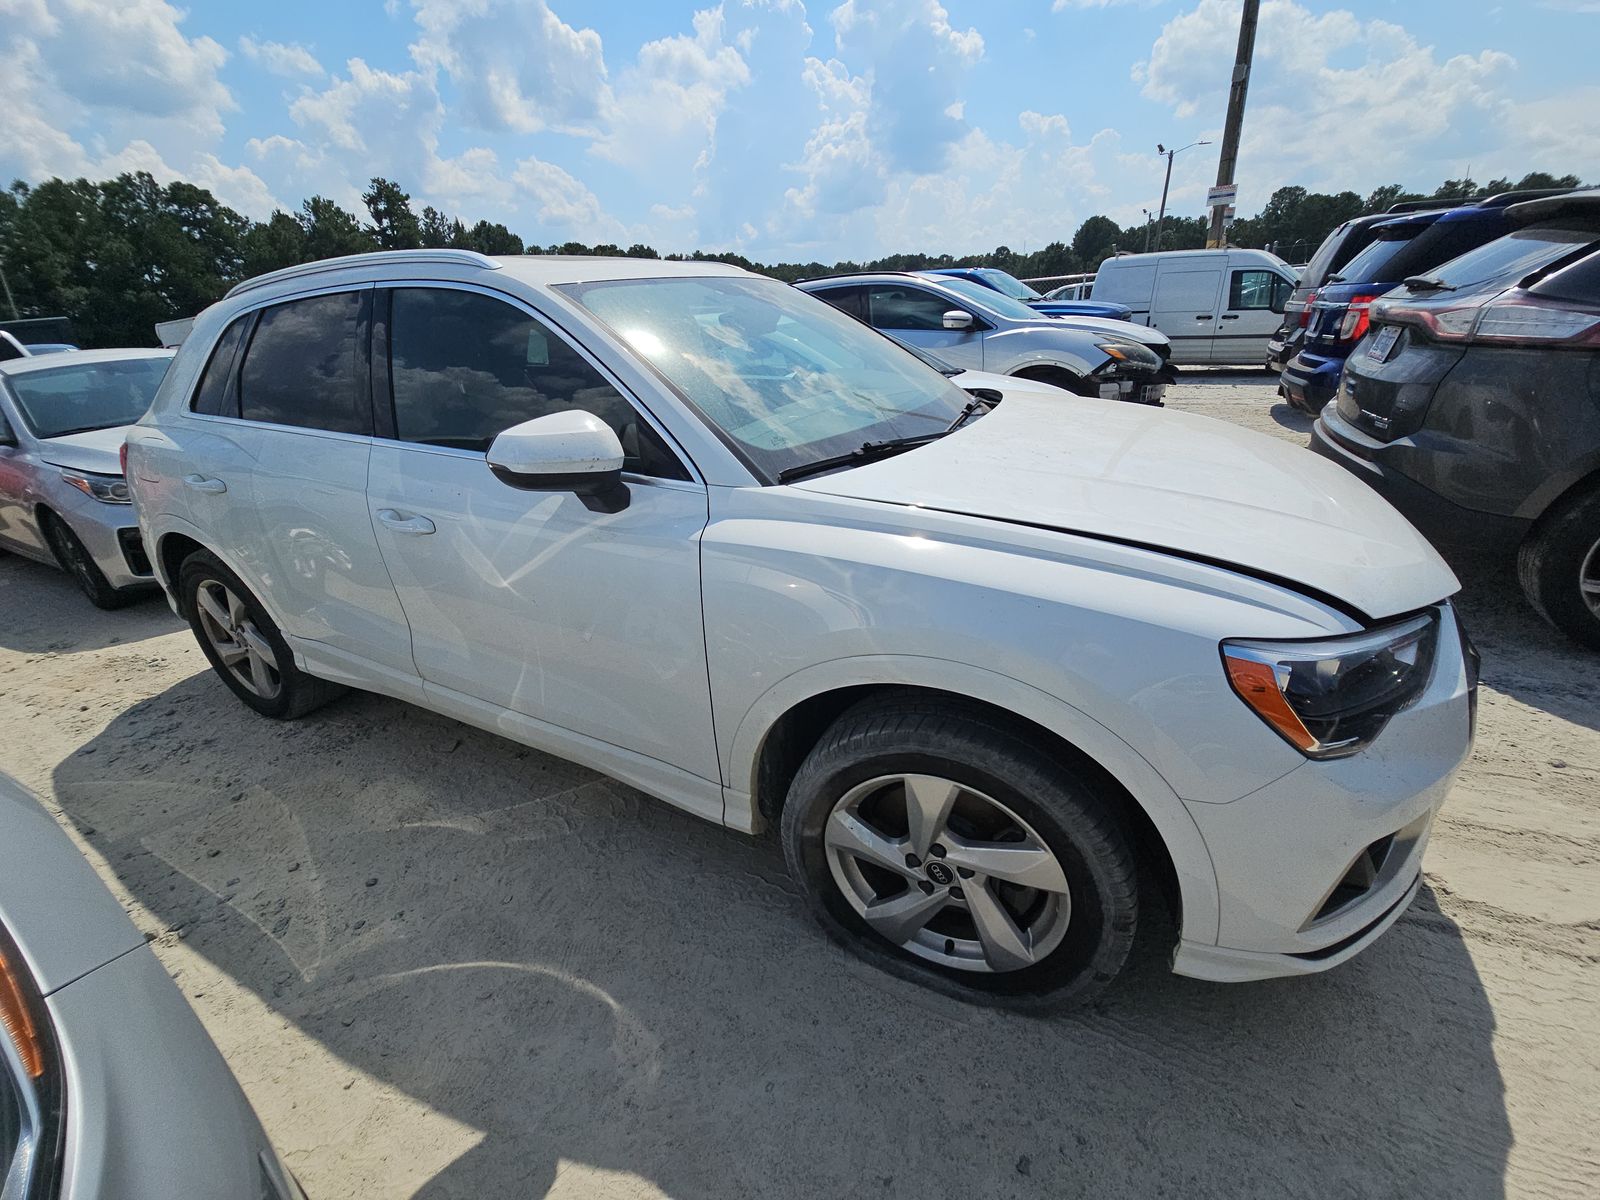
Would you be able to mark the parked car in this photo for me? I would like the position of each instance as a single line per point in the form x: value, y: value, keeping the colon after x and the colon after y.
x: 1338, y: 248
x: 1009, y: 285
x: 1219, y: 307
x: 109, y: 1086
x: 1413, y: 244
x: 694, y: 529
x: 1081, y: 290
x: 63, y: 499
x: 982, y: 383
x: 1473, y: 405
x: 981, y: 330
x: 11, y: 348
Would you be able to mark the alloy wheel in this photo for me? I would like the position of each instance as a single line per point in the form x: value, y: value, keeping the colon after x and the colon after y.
x: 238, y: 643
x: 947, y: 873
x: 1589, y: 579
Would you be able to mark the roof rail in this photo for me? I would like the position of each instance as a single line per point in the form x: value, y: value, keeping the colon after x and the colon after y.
x: 1409, y: 206
x: 460, y: 258
x: 1505, y: 199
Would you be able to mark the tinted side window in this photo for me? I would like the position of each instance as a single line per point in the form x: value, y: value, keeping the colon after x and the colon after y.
x: 304, y: 365
x: 850, y: 300
x: 466, y: 366
x: 1251, y: 289
x: 212, y: 394
x: 907, y: 308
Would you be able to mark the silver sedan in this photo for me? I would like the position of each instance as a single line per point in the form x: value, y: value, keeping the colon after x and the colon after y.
x: 109, y: 1085
x: 63, y: 499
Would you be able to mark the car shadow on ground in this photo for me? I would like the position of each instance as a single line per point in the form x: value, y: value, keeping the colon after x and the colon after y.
x: 1290, y: 417
x: 583, y: 975
x: 37, y: 603
x: 1523, y: 656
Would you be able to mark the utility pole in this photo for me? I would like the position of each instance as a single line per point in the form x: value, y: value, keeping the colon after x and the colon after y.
x: 1161, y: 218
x: 1148, y: 218
x: 1230, y: 132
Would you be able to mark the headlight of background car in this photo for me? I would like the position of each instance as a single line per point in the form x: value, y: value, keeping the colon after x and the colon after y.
x: 1126, y: 354
x: 111, y: 489
x: 30, y: 1084
x: 1331, y: 698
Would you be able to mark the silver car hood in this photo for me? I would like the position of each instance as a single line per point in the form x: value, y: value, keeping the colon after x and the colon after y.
x: 51, y: 900
x: 1171, y: 481
x: 1126, y: 330
x: 97, y: 451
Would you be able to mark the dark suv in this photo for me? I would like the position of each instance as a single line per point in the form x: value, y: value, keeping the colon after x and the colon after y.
x: 1404, y: 246
x: 1473, y: 405
x: 1338, y: 248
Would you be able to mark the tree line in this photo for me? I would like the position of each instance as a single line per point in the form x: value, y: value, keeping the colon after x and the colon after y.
x: 116, y: 257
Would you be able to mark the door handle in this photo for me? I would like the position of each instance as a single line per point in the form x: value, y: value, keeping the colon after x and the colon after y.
x: 1202, y: 317
x: 1230, y: 316
x: 199, y: 483
x: 412, y: 525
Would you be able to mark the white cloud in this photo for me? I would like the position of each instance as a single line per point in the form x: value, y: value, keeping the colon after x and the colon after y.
x: 516, y: 66
x: 562, y: 204
x: 1070, y: 5
x: 289, y: 59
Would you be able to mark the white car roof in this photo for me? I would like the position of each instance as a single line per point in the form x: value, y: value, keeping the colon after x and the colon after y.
x: 69, y: 358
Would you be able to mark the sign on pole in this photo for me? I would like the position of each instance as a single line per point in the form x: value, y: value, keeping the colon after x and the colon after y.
x: 1222, y: 196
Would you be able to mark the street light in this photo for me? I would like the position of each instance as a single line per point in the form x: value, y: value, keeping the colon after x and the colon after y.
x: 1171, y: 154
x: 1149, y: 219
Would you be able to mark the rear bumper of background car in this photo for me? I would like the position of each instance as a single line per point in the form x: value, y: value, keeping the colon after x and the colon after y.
x: 1312, y: 868
x: 1310, y: 380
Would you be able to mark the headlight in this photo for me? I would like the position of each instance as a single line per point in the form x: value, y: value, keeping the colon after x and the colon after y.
x: 30, y: 1084
x: 1331, y: 698
x: 109, y: 489
x: 1126, y: 354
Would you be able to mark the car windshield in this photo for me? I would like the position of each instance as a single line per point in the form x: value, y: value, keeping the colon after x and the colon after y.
x: 1510, y: 258
x: 786, y: 378
x: 1010, y: 285
x: 992, y: 300
x: 86, y: 396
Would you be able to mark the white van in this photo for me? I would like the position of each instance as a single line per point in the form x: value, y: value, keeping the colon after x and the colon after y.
x: 1217, y: 306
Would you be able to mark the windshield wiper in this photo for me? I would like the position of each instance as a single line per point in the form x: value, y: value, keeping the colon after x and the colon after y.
x: 864, y: 453
x: 981, y: 398
x: 85, y: 429
x: 1427, y: 283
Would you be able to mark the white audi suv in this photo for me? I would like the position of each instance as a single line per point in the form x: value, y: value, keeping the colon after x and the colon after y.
x: 1006, y: 672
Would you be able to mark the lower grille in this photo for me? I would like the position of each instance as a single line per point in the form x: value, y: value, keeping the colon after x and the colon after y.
x: 133, y: 551
x: 1359, y: 879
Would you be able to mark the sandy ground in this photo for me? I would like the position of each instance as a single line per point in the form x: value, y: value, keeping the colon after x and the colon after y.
x: 444, y: 965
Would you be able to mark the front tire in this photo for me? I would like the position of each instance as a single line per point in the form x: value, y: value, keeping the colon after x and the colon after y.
x: 76, y: 561
x: 243, y: 645
x: 937, y: 841
x: 1558, y: 566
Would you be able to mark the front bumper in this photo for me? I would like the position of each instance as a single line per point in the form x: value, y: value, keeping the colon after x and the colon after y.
x: 1312, y: 868
x: 1136, y: 389
x: 109, y: 532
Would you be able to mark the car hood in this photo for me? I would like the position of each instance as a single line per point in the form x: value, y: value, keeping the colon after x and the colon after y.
x: 51, y: 901
x: 1126, y: 330
x: 1084, y: 308
x: 98, y: 451
x: 1009, y: 385
x: 1172, y: 481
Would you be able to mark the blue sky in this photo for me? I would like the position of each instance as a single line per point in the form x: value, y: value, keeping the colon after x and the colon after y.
x: 791, y: 130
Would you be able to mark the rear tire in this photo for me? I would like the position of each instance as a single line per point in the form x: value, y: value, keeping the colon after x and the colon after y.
x: 77, y: 562
x: 1048, y: 918
x: 1558, y: 566
x: 243, y: 645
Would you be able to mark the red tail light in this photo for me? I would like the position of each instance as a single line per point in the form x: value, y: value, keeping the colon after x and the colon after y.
x: 1519, y: 321
x: 1356, y: 319
x: 1305, y: 313
x: 122, y: 457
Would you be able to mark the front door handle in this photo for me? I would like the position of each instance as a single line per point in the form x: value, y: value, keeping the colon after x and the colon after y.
x: 1203, y: 317
x: 416, y: 526
x: 199, y: 483
x: 1230, y: 316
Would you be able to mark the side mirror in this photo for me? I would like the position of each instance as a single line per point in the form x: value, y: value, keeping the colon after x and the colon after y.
x: 956, y: 319
x: 572, y: 451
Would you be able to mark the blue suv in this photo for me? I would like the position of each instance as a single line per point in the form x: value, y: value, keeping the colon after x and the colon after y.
x: 1404, y: 248
x: 1009, y: 285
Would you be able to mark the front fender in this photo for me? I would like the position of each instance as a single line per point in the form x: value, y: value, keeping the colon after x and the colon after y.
x: 1013, y: 350
x: 1196, y: 878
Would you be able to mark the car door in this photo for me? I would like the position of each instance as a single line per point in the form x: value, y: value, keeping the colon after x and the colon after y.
x: 1255, y: 302
x: 531, y: 600
x: 18, y: 529
x: 274, y: 464
x: 916, y: 315
x: 1184, y: 307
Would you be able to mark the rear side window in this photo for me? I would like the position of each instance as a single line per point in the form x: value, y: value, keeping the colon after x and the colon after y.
x: 908, y: 308
x: 305, y: 365
x: 212, y: 395
x: 850, y: 300
x: 465, y: 367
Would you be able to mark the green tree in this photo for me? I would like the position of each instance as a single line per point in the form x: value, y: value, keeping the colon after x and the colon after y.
x: 394, y: 225
x: 280, y: 241
x: 331, y: 231
x: 488, y: 238
x: 1094, y: 241
x: 434, y: 229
